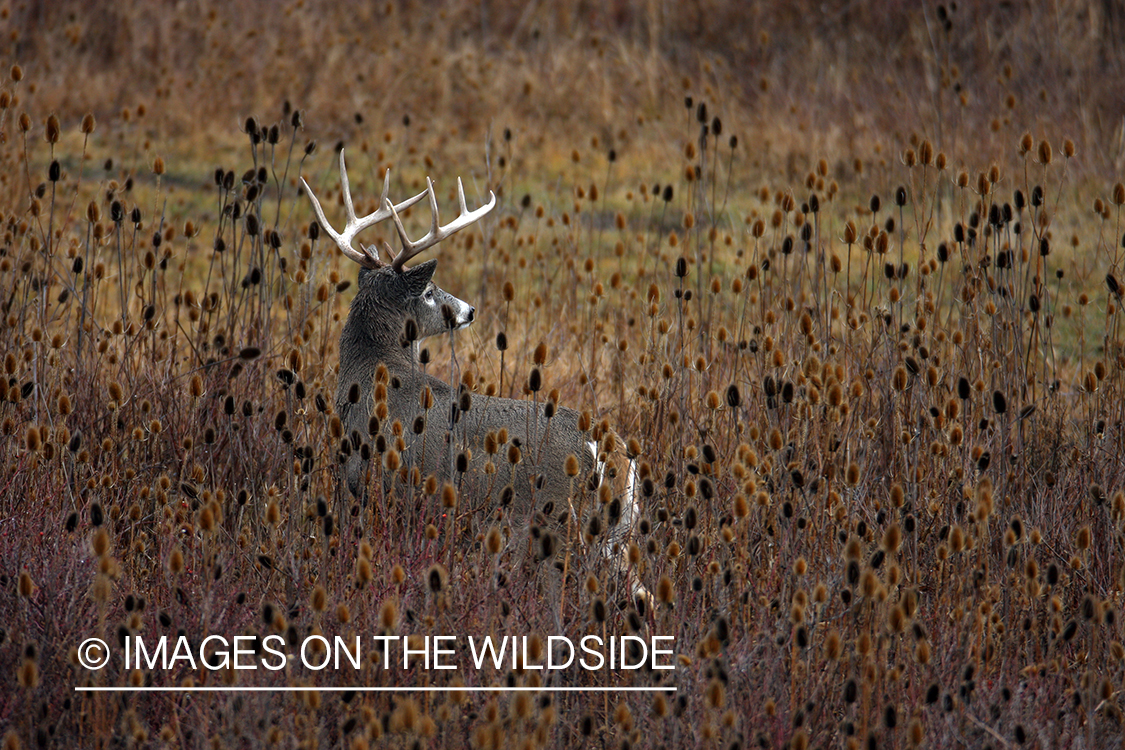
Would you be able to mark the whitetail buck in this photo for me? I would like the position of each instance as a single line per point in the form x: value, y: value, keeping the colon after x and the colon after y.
x: 551, y: 475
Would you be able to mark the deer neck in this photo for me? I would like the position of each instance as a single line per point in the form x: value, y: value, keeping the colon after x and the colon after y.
x: 371, y: 337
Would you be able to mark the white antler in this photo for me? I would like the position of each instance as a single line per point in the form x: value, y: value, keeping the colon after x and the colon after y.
x: 437, y: 233
x: 367, y: 256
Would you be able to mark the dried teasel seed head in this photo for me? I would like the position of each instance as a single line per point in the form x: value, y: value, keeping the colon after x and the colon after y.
x: 33, y: 439
x: 571, y: 465
x: 437, y: 577
x: 319, y: 598
x: 26, y: 586
x: 448, y: 495
x: 493, y: 541
x: 53, y: 130
x: 1044, y: 153
x: 1118, y: 194
x: 926, y: 153
x: 28, y: 674
x: 100, y: 542
x: 363, y: 571
x: 892, y: 538
x: 388, y: 615
x: 898, y: 496
x: 713, y: 401
x: 176, y: 561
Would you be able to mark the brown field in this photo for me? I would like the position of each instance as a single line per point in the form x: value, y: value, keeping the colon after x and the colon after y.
x: 847, y: 280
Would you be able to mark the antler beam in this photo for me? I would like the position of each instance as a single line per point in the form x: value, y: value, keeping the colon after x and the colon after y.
x: 437, y: 233
x: 368, y: 256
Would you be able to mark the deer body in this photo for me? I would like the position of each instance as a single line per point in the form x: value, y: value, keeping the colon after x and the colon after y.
x: 529, y: 482
x: 373, y: 336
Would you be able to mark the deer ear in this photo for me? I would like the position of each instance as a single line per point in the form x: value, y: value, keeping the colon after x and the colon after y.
x: 418, y: 277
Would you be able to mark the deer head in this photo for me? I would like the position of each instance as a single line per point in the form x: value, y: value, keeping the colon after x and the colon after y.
x: 393, y: 299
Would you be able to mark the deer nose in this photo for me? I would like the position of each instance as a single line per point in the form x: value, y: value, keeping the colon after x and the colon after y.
x: 472, y: 313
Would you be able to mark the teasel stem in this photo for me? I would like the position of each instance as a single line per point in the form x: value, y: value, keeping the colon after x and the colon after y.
x: 570, y: 519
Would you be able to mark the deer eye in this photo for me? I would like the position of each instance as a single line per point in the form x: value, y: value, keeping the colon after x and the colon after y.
x: 429, y: 295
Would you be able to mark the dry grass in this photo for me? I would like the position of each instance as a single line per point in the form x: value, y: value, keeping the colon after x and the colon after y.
x: 882, y: 444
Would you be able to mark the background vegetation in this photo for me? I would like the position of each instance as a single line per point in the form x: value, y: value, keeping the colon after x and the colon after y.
x: 847, y: 276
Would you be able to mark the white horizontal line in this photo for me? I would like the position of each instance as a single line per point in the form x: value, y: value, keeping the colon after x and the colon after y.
x: 333, y: 689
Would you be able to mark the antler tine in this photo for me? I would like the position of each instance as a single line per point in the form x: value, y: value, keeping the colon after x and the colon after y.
x: 346, y: 189
x: 461, y: 196
x: 343, y: 243
x: 437, y: 233
x: 387, y: 188
x: 368, y: 256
